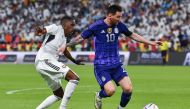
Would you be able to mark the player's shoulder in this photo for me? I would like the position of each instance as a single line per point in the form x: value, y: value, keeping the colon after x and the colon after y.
x: 121, y: 24
x: 52, y: 25
x: 97, y: 23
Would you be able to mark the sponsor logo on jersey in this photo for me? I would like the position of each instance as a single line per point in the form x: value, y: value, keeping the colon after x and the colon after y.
x: 102, y: 31
x: 187, y: 60
x: 64, y: 66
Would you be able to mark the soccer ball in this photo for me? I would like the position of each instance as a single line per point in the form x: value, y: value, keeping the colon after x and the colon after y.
x: 151, y: 106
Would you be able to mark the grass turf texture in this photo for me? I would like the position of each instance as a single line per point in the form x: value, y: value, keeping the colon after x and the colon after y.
x: 166, y: 86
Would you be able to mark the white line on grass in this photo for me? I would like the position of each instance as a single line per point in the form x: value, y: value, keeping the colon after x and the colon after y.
x: 29, y: 89
x: 22, y: 90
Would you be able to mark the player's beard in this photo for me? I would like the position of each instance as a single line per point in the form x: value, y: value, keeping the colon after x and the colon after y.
x: 113, y: 22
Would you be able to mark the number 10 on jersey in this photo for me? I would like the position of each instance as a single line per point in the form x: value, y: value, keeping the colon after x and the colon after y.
x: 110, y: 37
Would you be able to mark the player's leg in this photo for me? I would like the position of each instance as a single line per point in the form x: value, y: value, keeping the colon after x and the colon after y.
x: 108, y: 90
x: 57, y: 95
x: 107, y: 86
x: 73, y: 80
x: 57, y: 92
x: 121, y: 78
x: 126, y: 86
x: 164, y: 53
x: 52, y: 72
x: 48, y: 102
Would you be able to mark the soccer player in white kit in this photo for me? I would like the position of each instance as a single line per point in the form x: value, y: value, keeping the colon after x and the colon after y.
x: 47, y: 64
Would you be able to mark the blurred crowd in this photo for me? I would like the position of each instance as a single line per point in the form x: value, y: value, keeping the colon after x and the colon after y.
x: 167, y: 20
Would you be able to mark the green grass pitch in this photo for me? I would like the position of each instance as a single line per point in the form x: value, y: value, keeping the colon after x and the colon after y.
x: 166, y: 86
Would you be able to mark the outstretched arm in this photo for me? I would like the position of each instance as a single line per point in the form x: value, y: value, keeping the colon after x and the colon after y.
x: 139, y: 38
x: 40, y: 31
x: 78, y: 39
x: 68, y: 55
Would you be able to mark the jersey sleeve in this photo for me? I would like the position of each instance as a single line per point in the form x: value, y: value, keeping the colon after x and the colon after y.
x: 51, y: 29
x: 88, y: 32
x: 125, y: 30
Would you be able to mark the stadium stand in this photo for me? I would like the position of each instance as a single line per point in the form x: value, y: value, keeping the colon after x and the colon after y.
x: 154, y: 19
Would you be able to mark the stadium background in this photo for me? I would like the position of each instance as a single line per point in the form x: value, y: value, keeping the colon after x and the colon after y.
x: 166, y: 20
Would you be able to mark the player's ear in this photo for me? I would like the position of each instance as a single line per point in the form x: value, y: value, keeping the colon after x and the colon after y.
x: 64, y: 26
x: 109, y: 15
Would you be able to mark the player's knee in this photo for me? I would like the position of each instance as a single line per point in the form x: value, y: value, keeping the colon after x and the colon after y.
x: 128, y: 89
x: 74, y: 77
x: 77, y: 78
x: 59, y: 93
x: 110, y: 91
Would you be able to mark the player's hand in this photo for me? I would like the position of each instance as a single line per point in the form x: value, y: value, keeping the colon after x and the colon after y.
x: 39, y: 31
x: 78, y: 62
x: 156, y: 43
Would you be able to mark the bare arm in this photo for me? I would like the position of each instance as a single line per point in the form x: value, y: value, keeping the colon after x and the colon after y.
x: 68, y: 55
x: 75, y: 41
x: 40, y: 31
x: 141, y: 39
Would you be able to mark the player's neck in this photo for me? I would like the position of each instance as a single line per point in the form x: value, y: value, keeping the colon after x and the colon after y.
x: 108, y: 22
x: 65, y: 31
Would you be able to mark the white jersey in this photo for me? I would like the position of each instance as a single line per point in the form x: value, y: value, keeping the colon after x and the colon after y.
x: 54, y: 39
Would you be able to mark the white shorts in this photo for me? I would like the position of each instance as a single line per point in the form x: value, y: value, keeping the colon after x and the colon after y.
x: 52, y: 71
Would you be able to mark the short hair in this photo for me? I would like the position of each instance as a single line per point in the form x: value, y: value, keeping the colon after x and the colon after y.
x: 66, y: 19
x: 113, y: 9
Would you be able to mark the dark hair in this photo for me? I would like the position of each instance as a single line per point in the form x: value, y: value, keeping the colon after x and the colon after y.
x: 66, y: 19
x: 113, y: 9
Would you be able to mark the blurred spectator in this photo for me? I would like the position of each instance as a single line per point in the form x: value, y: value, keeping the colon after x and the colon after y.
x: 14, y: 46
x: 8, y: 38
x: 2, y: 38
x: 132, y: 46
x: 3, y: 46
x: 34, y: 46
x: 151, y: 18
x: 183, y: 39
x: 78, y: 47
x: 28, y: 46
x: 153, y: 48
x: 19, y: 46
x: 164, y: 50
x: 8, y: 46
x: 123, y: 44
x: 177, y: 47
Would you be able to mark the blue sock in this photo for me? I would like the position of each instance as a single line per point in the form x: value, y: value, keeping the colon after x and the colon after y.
x: 103, y: 94
x: 125, y: 98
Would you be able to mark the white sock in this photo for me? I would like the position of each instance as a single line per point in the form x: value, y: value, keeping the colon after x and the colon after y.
x: 48, y: 101
x: 69, y: 89
x: 99, y: 95
x: 120, y: 107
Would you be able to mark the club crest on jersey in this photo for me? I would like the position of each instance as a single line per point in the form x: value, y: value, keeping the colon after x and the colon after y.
x: 116, y: 30
x: 109, y: 30
x: 64, y: 66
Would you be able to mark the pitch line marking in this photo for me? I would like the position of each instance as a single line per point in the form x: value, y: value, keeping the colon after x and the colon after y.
x: 29, y: 89
x: 21, y: 90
